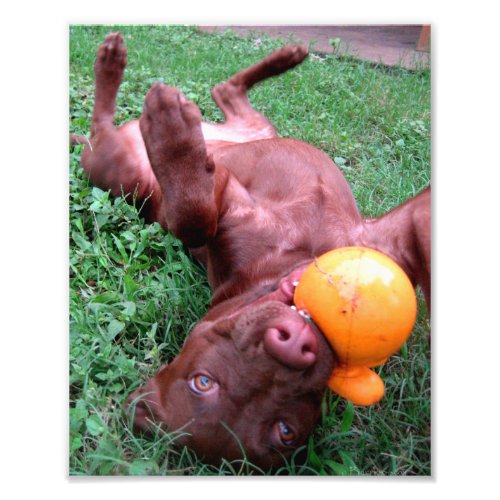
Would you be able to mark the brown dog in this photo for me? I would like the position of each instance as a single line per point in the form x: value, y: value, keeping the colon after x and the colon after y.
x: 256, y: 210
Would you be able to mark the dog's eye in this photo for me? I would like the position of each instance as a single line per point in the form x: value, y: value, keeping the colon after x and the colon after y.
x: 201, y: 383
x: 286, y: 434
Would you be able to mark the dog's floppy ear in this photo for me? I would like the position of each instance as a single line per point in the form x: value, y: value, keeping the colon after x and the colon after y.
x: 144, y: 404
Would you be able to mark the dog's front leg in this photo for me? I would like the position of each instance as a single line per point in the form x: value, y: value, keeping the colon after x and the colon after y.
x: 171, y: 128
x: 405, y: 235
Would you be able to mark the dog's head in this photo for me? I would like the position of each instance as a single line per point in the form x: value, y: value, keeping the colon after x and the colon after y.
x: 248, y: 382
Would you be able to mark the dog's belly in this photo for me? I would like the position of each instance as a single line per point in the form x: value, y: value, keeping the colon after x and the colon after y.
x: 220, y: 132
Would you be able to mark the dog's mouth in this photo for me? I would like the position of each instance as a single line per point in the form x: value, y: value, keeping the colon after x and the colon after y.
x: 287, y: 333
x: 286, y: 289
x: 288, y: 284
x: 285, y: 292
x: 281, y: 290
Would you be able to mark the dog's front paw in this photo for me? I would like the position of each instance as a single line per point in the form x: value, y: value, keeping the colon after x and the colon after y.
x: 171, y: 128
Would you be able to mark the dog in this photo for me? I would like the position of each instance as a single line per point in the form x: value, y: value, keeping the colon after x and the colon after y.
x: 255, y: 210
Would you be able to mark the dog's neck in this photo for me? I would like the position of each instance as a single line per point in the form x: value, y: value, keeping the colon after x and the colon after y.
x: 277, y: 286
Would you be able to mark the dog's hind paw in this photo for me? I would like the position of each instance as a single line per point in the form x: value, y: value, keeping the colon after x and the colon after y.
x: 111, y: 57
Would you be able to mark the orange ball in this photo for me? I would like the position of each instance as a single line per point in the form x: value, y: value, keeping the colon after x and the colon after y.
x: 366, y: 307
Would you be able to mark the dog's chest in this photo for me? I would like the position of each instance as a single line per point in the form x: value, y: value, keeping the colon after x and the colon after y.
x: 276, y: 206
x: 260, y: 226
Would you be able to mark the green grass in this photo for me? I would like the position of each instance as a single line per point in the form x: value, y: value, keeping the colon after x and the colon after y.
x: 134, y: 294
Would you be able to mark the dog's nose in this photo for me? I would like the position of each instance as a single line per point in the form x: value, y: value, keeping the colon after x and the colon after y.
x: 294, y: 345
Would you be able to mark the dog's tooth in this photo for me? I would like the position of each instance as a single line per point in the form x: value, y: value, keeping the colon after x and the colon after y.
x: 293, y: 307
x: 305, y: 315
x: 295, y: 283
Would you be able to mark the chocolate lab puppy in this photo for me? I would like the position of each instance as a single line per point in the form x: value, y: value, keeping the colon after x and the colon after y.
x: 255, y: 209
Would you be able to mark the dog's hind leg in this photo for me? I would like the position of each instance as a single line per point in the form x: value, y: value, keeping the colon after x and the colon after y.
x: 231, y: 96
x: 115, y: 158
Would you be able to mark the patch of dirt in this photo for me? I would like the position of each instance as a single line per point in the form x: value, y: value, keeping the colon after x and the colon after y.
x: 386, y: 44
